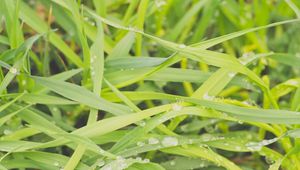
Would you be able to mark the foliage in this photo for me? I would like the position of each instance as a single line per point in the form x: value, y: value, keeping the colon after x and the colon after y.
x: 149, y: 84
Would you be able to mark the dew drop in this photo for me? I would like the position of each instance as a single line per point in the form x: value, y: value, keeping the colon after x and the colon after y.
x: 153, y: 141
x: 293, y: 82
x: 246, y: 58
x: 133, y: 29
x: 138, y: 158
x: 160, y: 3
x: 13, y: 70
x: 56, y: 164
x: 101, y: 163
x: 142, y: 123
x: 207, y: 137
x: 184, y: 128
x: 140, y: 144
x: 182, y: 46
x: 169, y: 141
x: 231, y: 74
x: 172, y: 163
x: 238, y: 148
x: 201, y: 165
x: 7, y: 132
x: 269, y: 160
x: 108, y: 167
x: 101, y: 151
x: 254, y: 146
x: 146, y: 160
x: 240, y: 122
x: 176, y: 107
x: 206, y: 96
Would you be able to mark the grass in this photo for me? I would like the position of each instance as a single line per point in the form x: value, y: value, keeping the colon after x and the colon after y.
x: 149, y: 85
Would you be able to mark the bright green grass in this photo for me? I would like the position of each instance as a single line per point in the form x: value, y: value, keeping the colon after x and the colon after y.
x: 150, y: 84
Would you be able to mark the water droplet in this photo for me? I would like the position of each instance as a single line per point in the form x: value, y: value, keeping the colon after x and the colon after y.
x: 146, y: 160
x: 172, y: 163
x: 176, y: 107
x: 293, y: 82
x: 202, y: 164
x: 231, y: 74
x: 254, y: 146
x: 269, y: 160
x: 138, y: 158
x: 160, y: 3
x: 184, y: 128
x: 101, y: 151
x: 7, y: 131
x: 153, y: 141
x: 108, y: 167
x: 13, y: 70
x: 246, y: 57
x: 238, y: 148
x: 182, y: 46
x: 169, y: 141
x: 56, y: 164
x: 140, y: 143
x: 86, y: 18
x: 133, y: 29
x: 240, y: 122
x: 141, y: 123
x: 207, y: 137
x: 206, y: 96
x: 101, y: 163
x: 246, y: 102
